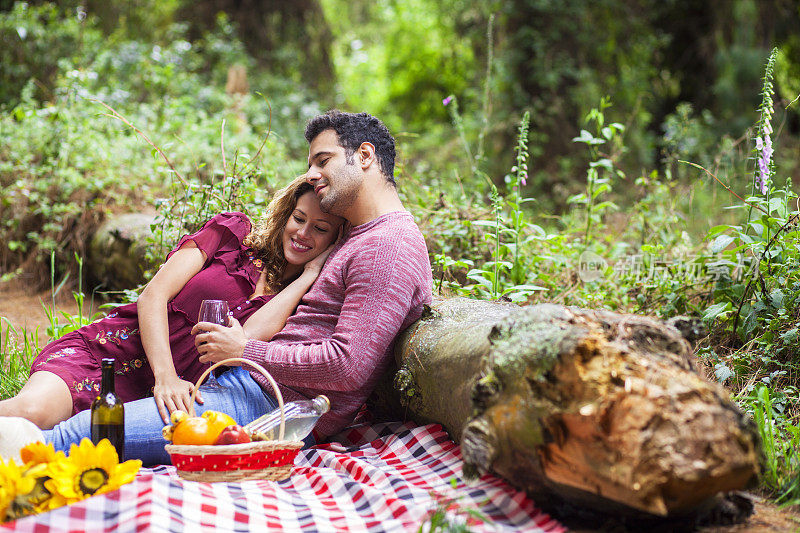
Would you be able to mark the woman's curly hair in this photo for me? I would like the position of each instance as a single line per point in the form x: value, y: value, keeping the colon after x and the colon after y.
x: 266, y: 237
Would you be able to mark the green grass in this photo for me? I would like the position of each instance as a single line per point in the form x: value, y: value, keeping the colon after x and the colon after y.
x: 18, y: 347
x: 781, y: 443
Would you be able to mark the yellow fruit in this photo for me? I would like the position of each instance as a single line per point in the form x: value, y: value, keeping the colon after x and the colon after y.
x: 218, y: 420
x: 176, y: 417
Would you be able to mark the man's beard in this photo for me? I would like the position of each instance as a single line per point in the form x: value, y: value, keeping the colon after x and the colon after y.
x: 337, y: 202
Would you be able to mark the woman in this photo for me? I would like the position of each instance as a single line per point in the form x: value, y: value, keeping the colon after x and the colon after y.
x: 262, y: 274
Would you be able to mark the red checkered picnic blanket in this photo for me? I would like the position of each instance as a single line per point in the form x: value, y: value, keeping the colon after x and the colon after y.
x: 381, y: 477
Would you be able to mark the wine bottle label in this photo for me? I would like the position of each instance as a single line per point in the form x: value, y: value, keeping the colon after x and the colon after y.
x: 103, y: 415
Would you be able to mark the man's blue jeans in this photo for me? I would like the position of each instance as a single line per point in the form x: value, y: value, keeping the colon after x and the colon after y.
x: 234, y: 392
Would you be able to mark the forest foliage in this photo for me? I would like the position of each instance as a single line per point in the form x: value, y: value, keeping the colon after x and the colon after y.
x: 632, y: 155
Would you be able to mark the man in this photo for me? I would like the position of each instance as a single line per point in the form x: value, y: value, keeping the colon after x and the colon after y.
x: 373, y: 285
x: 340, y: 339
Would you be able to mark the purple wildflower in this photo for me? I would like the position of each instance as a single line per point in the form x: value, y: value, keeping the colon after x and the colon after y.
x: 768, y: 148
x: 524, y: 179
x: 764, y: 148
x: 447, y: 100
x: 761, y: 178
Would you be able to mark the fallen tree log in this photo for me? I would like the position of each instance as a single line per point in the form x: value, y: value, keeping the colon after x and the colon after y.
x: 599, y: 409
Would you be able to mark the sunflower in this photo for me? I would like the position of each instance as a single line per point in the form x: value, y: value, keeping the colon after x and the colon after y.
x: 13, y: 483
x: 38, y: 453
x: 90, y: 470
x: 44, y: 497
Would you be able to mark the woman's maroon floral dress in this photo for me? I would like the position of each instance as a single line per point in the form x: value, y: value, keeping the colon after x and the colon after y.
x: 229, y: 273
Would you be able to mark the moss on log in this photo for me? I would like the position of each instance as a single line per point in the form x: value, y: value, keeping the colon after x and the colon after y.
x: 596, y: 408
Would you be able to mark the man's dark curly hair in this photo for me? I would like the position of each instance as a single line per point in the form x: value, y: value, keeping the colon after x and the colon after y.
x: 354, y: 129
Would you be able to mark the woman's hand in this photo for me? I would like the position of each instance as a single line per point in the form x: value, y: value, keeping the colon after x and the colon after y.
x: 215, y: 342
x: 173, y: 393
x: 315, y: 265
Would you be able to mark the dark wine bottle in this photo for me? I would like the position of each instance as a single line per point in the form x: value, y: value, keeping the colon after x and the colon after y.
x: 108, y: 412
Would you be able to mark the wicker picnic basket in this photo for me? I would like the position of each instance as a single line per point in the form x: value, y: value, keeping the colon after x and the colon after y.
x: 272, y: 459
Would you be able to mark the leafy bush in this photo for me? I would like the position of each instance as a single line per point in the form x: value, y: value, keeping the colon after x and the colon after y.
x: 411, y: 52
x: 67, y: 162
x: 755, y: 307
x: 36, y: 42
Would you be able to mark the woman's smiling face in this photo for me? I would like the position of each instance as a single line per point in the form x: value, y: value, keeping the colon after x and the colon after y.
x: 308, y: 231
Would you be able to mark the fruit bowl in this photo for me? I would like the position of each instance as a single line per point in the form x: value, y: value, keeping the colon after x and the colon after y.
x: 271, y: 459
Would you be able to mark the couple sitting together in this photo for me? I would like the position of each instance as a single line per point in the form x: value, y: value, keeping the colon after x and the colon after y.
x: 336, y: 244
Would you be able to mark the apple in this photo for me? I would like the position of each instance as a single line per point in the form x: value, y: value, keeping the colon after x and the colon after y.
x: 234, y: 434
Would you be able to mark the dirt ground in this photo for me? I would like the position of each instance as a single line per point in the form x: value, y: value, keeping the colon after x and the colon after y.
x: 765, y: 517
x: 23, y: 309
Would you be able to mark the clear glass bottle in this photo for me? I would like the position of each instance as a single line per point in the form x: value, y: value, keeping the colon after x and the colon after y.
x: 108, y: 412
x: 300, y: 416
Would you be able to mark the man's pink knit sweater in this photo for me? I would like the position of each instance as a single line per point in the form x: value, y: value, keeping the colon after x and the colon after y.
x: 340, y: 339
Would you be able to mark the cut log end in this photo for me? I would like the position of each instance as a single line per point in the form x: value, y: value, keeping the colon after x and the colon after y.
x: 614, y: 409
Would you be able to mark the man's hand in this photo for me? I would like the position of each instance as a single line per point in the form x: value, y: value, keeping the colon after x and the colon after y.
x: 173, y: 393
x: 215, y: 342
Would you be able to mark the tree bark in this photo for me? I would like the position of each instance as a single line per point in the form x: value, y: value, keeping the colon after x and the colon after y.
x: 603, y: 410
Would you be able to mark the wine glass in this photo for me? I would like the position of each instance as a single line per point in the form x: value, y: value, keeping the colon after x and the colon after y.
x: 214, y: 311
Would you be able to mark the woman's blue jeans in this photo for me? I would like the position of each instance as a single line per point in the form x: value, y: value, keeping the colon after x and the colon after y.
x: 234, y: 392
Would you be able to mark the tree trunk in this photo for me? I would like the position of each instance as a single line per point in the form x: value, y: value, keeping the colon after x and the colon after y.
x: 290, y: 39
x: 596, y: 408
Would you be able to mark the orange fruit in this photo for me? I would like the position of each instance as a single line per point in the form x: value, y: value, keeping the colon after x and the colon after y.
x: 193, y: 430
x: 201, y: 430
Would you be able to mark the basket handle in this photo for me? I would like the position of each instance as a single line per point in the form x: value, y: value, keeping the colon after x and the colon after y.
x: 258, y: 367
